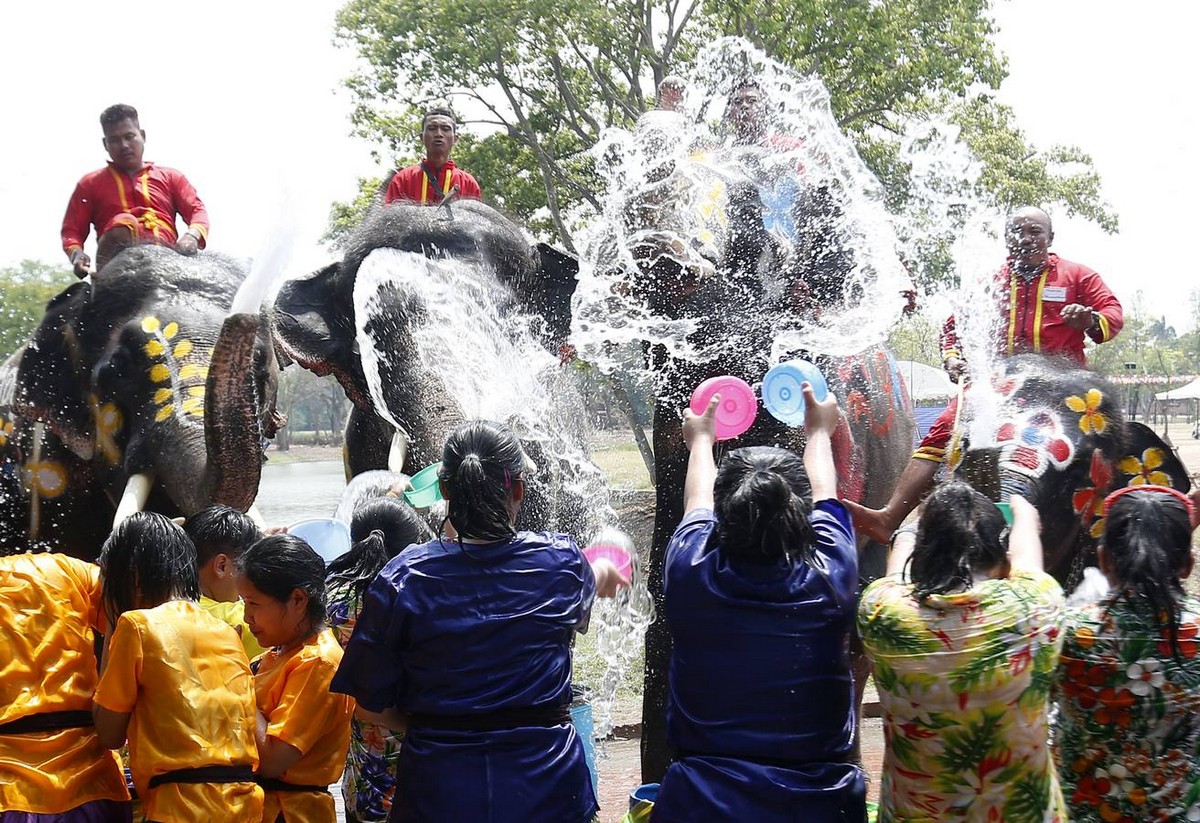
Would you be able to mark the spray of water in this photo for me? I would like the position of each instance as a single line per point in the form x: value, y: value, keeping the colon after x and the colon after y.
x: 466, y: 330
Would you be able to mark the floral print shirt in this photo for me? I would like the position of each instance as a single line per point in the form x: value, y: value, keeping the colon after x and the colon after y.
x: 369, y: 782
x: 1129, y: 714
x: 964, y: 681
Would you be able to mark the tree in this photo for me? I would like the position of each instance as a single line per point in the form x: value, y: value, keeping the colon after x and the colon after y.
x: 27, y: 287
x: 547, y: 76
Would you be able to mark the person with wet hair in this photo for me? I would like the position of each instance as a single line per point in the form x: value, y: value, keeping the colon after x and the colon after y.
x: 380, y: 529
x: 220, y: 535
x: 1129, y: 680
x: 53, y: 766
x: 964, y: 633
x: 303, y: 729
x: 759, y: 586
x: 466, y: 641
x: 174, y: 681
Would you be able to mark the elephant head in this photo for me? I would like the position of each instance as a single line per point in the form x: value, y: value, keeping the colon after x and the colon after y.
x: 150, y: 387
x: 362, y: 320
x: 1056, y: 435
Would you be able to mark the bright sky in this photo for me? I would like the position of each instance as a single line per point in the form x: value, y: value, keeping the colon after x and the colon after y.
x: 244, y: 98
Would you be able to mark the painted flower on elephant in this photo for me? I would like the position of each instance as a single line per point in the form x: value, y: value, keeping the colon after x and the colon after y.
x: 1145, y: 472
x: 1091, y: 419
x: 108, y: 424
x: 47, y: 478
x: 6, y: 430
x: 1033, y: 443
x: 1088, y: 502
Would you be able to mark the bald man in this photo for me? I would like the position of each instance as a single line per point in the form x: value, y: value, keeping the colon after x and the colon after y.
x: 1046, y: 304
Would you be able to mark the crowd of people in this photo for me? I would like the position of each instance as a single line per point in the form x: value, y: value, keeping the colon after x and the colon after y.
x: 236, y: 677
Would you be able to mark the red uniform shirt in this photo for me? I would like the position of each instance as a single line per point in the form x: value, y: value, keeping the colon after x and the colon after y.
x: 154, y: 195
x: 411, y: 183
x: 1031, y: 311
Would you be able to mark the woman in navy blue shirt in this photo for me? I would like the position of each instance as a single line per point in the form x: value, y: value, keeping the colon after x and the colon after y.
x: 760, y: 584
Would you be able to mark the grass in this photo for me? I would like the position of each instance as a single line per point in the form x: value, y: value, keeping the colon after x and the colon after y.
x: 622, y: 464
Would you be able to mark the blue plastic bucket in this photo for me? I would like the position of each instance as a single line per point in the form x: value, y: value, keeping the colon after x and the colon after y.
x: 581, y: 719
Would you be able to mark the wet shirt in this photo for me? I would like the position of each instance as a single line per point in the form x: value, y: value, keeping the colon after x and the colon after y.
x: 760, y: 708
x: 1030, y: 312
x: 49, y: 609
x: 233, y: 614
x: 153, y: 195
x: 185, y: 680
x: 1128, y: 734
x: 457, y: 631
x: 964, y: 682
x: 293, y: 692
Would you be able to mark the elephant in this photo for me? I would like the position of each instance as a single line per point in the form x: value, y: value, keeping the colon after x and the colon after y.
x: 690, y: 252
x: 363, y: 320
x: 1055, y: 434
x: 139, y: 390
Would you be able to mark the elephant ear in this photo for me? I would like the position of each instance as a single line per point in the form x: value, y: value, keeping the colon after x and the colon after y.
x: 53, y: 375
x: 313, y: 327
x: 1147, y: 459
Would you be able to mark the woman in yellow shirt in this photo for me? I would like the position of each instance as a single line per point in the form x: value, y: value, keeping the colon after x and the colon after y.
x: 174, y: 681
x: 52, y: 765
x: 303, y: 728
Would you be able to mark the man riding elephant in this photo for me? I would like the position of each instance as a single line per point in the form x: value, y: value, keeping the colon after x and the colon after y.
x: 130, y: 201
x: 1044, y: 304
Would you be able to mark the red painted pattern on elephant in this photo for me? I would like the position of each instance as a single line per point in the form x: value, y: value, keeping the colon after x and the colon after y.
x: 1033, y: 443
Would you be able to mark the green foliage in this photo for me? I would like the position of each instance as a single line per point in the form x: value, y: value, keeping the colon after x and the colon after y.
x: 26, y: 288
x: 543, y: 78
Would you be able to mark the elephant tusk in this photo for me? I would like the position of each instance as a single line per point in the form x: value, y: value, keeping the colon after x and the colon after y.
x: 254, y: 514
x: 133, y: 500
x: 398, y: 452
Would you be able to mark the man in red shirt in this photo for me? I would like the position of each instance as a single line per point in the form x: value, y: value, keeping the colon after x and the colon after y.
x: 436, y: 177
x: 130, y: 201
x: 1044, y: 304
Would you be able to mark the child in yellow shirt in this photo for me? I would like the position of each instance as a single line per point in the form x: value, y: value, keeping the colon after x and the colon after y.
x: 303, y: 728
x: 220, y: 535
x: 174, y: 681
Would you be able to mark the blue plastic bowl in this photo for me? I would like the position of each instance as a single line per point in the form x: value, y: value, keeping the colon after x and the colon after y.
x: 328, y: 536
x: 781, y: 392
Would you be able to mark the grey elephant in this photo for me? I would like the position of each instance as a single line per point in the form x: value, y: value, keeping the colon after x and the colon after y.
x: 138, y: 390
x: 412, y: 271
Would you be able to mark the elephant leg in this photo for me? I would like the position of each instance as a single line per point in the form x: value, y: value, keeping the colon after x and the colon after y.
x: 111, y: 243
x: 671, y: 467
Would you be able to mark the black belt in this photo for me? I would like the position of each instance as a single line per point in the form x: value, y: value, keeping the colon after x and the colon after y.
x: 205, y: 774
x: 48, y: 722
x: 274, y: 784
x: 498, y: 720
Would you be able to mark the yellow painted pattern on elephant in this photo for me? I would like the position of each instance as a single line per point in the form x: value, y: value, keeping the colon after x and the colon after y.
x: 1091, y: 419
x: 46, y: 477
x: 108, y: 425
x: 178, y: 368
x: 6, y: 430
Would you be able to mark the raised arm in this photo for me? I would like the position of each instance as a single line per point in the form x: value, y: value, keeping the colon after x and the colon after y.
x: 820, y: 419
x: 699, y: 434
x: 1025, y: 537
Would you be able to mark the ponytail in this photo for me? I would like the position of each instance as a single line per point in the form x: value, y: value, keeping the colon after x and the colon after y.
x: 381, y: 528
x: 1147, y: 542
x: 762, y: 503
x: 481, y: 463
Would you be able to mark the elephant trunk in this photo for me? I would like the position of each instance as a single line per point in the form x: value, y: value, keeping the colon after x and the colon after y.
x: 233, y: 435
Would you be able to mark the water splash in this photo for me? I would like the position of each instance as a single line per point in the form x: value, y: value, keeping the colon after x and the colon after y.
x: 464, y: 328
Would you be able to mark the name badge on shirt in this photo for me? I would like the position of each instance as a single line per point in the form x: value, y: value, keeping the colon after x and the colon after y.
x: 1054, y: 294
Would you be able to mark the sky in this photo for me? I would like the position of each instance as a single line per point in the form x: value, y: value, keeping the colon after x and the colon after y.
x: 245, y: 99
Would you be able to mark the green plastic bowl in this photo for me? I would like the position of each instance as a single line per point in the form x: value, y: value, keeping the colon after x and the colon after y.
x: 1005, y: 510
x: 425, y: 490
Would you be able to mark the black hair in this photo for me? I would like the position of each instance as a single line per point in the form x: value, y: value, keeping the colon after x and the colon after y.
x: 113, y: 115
x: 279, y: 564
x: 146, y: 561
x: 439, y: 111
x: 762, y: 500
x: 1148, y: 542
x: 381, y: 528
x: 744, y: 83
x: 480, y: 463
x: 960, y: 532
x: 221, y: 530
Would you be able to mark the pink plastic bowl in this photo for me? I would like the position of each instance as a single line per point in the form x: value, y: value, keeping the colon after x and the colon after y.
x: 738, y: 407
x: 619, y: 557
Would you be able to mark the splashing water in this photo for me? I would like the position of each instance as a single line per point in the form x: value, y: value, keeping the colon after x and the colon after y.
x: 675, y: 183
x: 465, y: 330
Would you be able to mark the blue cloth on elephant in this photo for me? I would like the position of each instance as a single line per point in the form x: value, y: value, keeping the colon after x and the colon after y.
x: 761, y: 707
x: 475, y: 643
